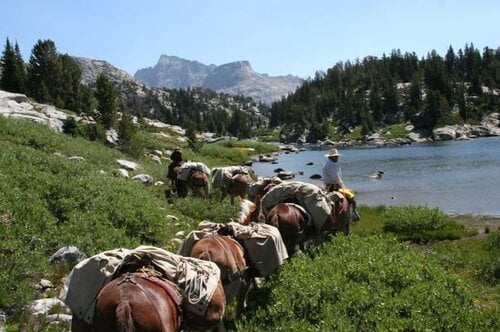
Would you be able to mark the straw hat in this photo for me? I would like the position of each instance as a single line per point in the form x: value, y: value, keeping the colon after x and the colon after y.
x: 333, y: 153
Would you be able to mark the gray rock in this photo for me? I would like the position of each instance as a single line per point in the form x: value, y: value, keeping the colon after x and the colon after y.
x: 128, y: 165
x: 44, y: 284
x: 144, y: 178
x: 43, y: 306
x: 123, y: 172
x: 68, y: 254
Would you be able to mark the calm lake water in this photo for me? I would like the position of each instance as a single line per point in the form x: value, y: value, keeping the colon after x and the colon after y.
x: 455, y: 176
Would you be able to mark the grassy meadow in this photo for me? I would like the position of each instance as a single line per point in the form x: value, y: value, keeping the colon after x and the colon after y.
x: 405, y: 268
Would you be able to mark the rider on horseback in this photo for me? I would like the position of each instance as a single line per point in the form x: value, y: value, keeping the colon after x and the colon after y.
x: 332, y: 177
x: 177, y: 160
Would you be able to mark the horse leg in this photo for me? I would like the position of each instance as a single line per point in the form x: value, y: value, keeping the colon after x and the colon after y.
x: 220, y: 327
x: 242, y: 298
x: 206, y: 190
x: 290, y: 239
x: 223, y: 194
x: 79, y: 325
x: 181, y: 188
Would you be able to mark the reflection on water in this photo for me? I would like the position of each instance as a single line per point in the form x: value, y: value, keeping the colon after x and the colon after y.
x: 459, y: 177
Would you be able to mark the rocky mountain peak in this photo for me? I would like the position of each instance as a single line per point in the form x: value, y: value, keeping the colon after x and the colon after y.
x: 229, y: 75
x: 173, y: 72
x: 236, y: 78
x: 91, y: 68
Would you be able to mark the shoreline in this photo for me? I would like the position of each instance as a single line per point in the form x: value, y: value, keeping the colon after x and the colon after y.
x: 291, y: 160
x: 483, y: 224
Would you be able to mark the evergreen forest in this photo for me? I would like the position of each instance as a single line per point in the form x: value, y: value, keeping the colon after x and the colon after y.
x: 369, y: 94
x: 372, y: 93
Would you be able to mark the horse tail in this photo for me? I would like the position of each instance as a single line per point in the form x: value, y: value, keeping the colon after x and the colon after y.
x: 205, y: 255
x: 274, y: 220
x: 124, y: 320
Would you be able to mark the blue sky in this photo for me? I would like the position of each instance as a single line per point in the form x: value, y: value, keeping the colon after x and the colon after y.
x: 278, y: 37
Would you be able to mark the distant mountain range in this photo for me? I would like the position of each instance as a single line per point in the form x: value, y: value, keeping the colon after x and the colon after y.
x: 154, y: 102
x: 235, y: 78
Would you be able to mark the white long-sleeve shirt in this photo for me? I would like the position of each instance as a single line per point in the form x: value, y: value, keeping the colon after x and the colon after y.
x: 332, y: 173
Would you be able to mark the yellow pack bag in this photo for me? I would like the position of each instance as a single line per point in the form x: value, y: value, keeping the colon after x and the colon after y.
x: 347, y: 192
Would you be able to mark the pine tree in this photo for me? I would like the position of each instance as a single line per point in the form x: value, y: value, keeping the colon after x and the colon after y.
x: 44, y: 73
x: 13, y: 70
x: 107, y: 101
x: 126, y: 131
x: 415, y: 102
x: 69, y: 88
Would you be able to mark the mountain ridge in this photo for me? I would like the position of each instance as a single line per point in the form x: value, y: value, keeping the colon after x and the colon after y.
x: 235, y: 78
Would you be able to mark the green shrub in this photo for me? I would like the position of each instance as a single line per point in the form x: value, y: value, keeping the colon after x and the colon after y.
x: 361, y: 284
x: 48, y: 201
x: 489, y: 266
x: 420, y: 224
x: 394, y: 131
x: 209, y: 209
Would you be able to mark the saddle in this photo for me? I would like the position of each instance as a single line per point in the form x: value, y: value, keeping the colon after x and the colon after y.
x: 151, y: 275
x: 304, y: 212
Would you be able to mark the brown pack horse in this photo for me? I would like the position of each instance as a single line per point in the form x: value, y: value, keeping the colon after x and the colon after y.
x: 229, y: 256
x: 197, y: 181
x: 294, y: 225
x: 137, y: 302
x: 238, y: 187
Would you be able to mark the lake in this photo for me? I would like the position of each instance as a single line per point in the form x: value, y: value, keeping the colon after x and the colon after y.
x: 455, y: 176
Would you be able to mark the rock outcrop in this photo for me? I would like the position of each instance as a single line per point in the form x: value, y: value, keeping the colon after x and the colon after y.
x: 18, y: 106
x: 489, y: 126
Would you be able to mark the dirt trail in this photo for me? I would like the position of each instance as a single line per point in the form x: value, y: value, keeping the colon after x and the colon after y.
x: 477, y: 222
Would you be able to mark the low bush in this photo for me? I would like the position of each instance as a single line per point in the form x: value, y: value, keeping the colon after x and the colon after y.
x: 362, y: 284
x: 420, y: 224
x: 48, y: 201
x: 397, y: 130
x: 489, y: 265
x: 232, y: 152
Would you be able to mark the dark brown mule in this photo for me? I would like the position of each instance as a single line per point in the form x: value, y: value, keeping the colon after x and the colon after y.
x: 229, y: 256
x: 294, y: 225
x: 135, y: 302
x: 173, y: 171
x: 238, y: 187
